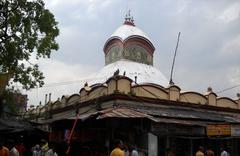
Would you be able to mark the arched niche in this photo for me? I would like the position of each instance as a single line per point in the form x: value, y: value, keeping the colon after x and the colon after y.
x: 111, y: 85
x: 97, y: 92
x: 150, y: 91
x: 74, y: 98
x: 193, y: 97
x: 56, y: 104
x: 226, y: 102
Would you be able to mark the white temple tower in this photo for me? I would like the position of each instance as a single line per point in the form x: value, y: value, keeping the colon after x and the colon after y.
x: 130, y: 51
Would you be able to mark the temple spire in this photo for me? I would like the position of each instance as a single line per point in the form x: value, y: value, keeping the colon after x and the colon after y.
x: 129, y: 19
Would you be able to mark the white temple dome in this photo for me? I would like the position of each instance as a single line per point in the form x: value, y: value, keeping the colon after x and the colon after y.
x: 130, y: 51
x: 126, y: 31
x: 145, y: 73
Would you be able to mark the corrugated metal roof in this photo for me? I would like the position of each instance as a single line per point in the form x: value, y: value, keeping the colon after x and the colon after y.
x: 162, y: 115
x: 121, y: 113
x: 183, y: 114
x: 9, y: 125
x: 67, y: 115
x: 117, y: 112
x: 232, y: 119
x: 178, y: 121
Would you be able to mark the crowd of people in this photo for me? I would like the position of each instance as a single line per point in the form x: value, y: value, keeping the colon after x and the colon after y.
x: 45, y: 148
x: 11, y: 148
x: 128, y: 150
x: 17, y: 148
x: 210, y: 152
x: 123, y: 150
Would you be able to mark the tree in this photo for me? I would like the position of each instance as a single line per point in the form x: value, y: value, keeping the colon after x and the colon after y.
x: 27, y: 29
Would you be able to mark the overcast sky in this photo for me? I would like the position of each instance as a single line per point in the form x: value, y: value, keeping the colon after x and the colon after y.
x: 208, y: 52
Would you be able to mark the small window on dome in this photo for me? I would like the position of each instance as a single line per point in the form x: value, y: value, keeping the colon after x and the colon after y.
x: 114, y: 54
x: 138, y: 54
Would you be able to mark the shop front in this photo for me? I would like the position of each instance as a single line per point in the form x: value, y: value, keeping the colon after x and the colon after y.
x: 181, y: 138
x: 224, y: 136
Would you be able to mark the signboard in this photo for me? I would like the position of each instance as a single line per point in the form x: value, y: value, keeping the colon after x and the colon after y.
x: 218, y: 130
x: 235, y: 130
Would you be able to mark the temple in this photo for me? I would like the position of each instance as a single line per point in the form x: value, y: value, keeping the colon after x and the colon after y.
x: 130, y: 99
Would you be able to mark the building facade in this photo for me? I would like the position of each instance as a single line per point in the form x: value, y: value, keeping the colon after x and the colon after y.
x: 131, y: 100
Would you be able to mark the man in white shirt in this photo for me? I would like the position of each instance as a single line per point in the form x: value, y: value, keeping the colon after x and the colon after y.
x: 224, y: 152
x: 12, y: 150
x: 133, y: 151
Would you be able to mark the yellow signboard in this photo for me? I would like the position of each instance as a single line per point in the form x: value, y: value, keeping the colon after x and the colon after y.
x: 218, y: 130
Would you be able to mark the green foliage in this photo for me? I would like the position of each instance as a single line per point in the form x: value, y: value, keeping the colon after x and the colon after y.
x: 27, y: 29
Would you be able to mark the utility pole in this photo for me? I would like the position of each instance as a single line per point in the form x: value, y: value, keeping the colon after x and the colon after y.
x: 174, y: 57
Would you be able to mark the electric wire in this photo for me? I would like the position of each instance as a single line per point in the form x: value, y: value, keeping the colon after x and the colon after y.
x: 227, y: 89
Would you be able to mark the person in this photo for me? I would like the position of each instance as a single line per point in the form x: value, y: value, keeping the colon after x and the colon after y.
x: 37, y: 150
x: 20, y: 147
x: 132, y: 151
x: 44, y: 146
x: 126, y: 150
x: 200, y: 151
x: 209, y: 152
x: 117, y: 151
x: 3, y: 150
x: 52, y: 150
x: 12, y: 149
x: 170, y: 152
x: 224, y: 152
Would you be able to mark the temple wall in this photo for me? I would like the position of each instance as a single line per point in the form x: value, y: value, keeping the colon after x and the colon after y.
x: 123, y: 85
x: 150, y: 92
x: 226, y: 102
x: 193, y: 97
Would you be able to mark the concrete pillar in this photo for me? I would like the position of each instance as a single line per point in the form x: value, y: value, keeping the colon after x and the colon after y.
x: 174, y: 93
x: 211, y: 96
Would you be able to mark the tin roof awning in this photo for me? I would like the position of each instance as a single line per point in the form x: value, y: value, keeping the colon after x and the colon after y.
x: 117, y: 112
x: 179, y: 121
x: 191, y: 114
x: 10, y: 125
x: 122, y: 112
x: 164, y: 115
